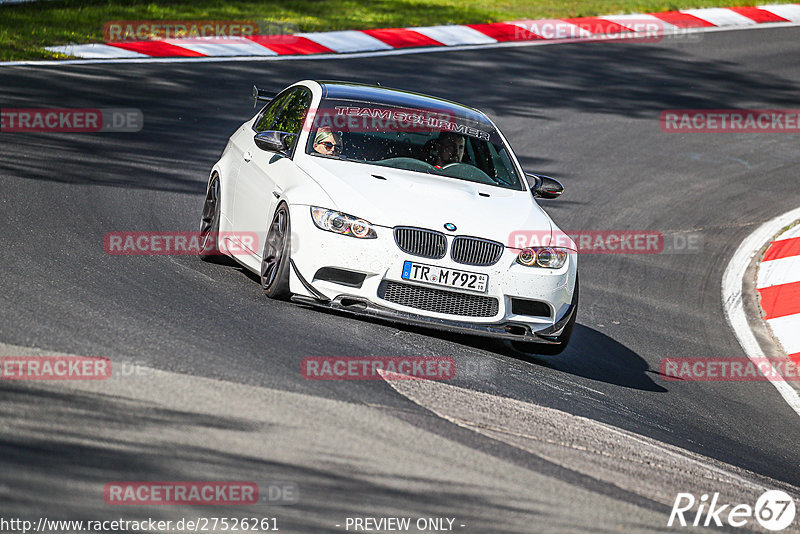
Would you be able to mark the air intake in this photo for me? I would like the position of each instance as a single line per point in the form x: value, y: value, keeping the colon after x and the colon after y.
x: 438, y: 300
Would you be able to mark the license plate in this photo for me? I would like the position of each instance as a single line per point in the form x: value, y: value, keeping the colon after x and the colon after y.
x: 441, y: 276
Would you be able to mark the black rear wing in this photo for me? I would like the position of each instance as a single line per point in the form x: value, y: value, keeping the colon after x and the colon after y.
x: 260, y: 95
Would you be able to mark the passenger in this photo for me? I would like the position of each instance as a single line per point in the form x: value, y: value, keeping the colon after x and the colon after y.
x: 449, y: 149
x: 327, y: 142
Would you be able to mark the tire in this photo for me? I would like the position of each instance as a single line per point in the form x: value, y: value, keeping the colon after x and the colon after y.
x: 276, y: 256
x: 529, y: 347
x: 209, y: 223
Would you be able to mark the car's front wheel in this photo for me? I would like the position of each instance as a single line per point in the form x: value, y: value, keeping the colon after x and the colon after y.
x: 275, y: 258
x: 209, y: 222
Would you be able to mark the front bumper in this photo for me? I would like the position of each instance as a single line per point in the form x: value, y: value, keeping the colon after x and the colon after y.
x: 381, y: 260
x: 505, y: 330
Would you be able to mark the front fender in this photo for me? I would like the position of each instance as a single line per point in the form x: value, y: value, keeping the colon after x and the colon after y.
x: 306, y: 192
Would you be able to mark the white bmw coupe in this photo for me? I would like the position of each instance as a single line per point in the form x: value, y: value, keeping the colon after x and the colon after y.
x: 395, y: 205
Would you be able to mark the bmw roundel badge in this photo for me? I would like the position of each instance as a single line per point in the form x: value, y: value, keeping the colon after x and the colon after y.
x: 450, y: 226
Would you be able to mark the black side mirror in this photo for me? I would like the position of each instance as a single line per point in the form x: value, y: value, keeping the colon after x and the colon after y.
x: 273, y: 141
x: 544, y: 186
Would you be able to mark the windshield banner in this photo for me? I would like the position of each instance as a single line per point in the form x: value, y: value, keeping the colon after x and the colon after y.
x: 380, y: 119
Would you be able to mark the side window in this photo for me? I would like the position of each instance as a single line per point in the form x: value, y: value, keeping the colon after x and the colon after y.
x: 291, y: 117
x: 267, y: 118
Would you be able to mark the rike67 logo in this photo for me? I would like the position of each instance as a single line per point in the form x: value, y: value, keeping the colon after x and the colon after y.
x: 774, y: 510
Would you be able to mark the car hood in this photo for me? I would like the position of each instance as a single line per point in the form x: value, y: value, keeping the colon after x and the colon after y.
x: 407, y: 198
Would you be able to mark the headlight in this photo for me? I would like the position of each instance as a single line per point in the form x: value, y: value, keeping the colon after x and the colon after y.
x: 546, y: 257
x: 341, y: 223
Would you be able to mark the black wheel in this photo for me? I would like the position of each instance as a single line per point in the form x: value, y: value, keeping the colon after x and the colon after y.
x: 275, y: 259
x: 209, y: 223
x: 528, y: 347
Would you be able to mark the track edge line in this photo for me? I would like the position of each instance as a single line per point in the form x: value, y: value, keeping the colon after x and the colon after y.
x: 732, y: 288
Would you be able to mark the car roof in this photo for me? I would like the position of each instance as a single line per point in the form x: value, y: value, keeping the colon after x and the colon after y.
x: 396, y: 97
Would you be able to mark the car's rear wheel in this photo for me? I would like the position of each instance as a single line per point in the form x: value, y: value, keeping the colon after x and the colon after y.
x: 275, y: 259
x: 543, y: 349
x: 209, y: 222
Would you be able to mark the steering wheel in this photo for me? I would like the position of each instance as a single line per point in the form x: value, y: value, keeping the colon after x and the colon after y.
x: 471, y: 172
x: 411, y: 164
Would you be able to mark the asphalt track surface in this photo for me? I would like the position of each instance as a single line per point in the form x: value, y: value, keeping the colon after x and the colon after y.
x: 586, y: 113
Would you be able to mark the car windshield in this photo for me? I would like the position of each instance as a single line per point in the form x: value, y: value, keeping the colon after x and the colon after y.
x: 422, y: 140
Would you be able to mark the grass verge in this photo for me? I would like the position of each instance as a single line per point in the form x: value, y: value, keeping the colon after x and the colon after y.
x: 25, y: 29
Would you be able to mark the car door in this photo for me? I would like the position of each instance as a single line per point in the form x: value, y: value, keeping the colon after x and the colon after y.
x: 241, y: 145
x: 263, y: 174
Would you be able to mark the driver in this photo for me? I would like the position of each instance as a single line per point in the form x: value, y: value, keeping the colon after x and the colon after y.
x: 449, y: 149
x: 327, y: 142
